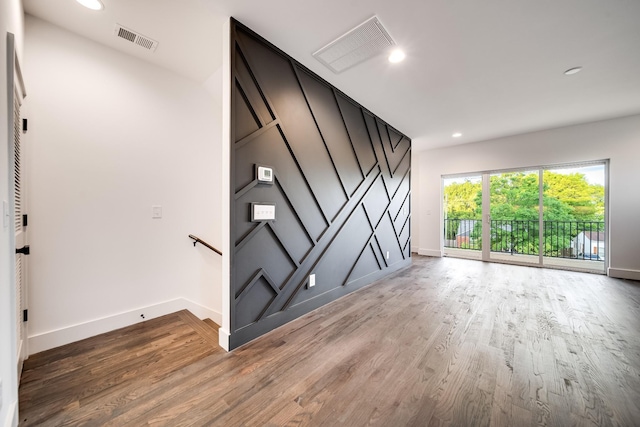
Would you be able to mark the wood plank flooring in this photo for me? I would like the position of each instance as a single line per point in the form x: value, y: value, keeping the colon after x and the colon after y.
x: 444, y: 342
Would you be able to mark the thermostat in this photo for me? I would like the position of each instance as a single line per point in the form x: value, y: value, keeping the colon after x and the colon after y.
x: 265, y: 174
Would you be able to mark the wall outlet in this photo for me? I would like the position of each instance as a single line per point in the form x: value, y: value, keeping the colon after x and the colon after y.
x: 387, y: 254
x: 312, y: 280
x: 156, y: 212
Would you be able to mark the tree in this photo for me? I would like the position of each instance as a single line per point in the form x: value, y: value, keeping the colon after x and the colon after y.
x: 514, y: 200
x: 461, y: 199
x: 585, y: 200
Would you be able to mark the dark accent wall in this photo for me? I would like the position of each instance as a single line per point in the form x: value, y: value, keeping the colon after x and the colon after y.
x: 341, y: 188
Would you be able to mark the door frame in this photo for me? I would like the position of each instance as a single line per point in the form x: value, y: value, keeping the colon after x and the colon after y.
x: 486, y: 210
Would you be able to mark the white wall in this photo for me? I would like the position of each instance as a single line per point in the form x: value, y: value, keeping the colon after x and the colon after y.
x: 616, y: 139
x: 110, y: 136
x: 10, y: 21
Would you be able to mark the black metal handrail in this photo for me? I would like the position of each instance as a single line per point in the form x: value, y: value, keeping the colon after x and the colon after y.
x: 202, y: 242
x: 561, y: 239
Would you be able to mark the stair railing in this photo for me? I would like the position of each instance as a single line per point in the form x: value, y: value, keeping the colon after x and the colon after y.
x: 202, y: 242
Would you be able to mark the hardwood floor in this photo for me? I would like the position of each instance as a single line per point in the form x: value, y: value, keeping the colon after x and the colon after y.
x: 444, y: 342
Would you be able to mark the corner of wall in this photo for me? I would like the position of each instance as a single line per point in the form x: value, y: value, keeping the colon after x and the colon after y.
x: 225, y: 325
x: 223, y: 338
x: 58, y: 337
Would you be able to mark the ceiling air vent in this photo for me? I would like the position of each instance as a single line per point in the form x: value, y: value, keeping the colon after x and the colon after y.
x: 357, y: 45
x: 134, y: 37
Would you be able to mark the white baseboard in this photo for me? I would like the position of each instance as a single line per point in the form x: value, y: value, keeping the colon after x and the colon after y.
x: 623, y: 273
x: 414, y: 249
x: 223, y: 338
x: 69, y: 334
x: 12, y: 416
x: 429, y: 252
x: 203, y: 312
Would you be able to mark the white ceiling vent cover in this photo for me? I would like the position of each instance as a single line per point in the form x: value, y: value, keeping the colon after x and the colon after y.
x: 136, y: 38
x: 357, y: 45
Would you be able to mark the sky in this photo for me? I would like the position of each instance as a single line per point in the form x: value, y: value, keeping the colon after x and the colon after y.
x: 593, y: 173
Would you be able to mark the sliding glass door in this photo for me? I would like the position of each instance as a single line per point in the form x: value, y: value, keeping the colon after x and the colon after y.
x: 498, y: 217
x: 514, y: 208
x: 574, y: 217
x: 463, y: 216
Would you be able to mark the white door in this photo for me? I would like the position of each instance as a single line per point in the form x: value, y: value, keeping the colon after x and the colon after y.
x: 19, y: 223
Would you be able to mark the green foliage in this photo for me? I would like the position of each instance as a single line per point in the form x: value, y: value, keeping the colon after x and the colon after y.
x: 515, y: 200
x: 585, y: 200
x: 461, y: 200
x: 514, y: 196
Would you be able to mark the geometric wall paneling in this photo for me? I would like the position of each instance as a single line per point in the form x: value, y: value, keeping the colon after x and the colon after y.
x: 368, y: 263
x: 251, y: 94
x: 249, y: 310
x: 357, y: 130
x: 265, y: 249
x: 288, y: 225
x: 340, y: 186
x: 248, y: 121
x: 377, y: 202
x: 336, y: 264
x: 270, y: 148
x: 276, y: 77
x: 403, y: 237
x: 388, y: 240
x: 317, y: 254
x: 324, y: 108
x: 397, y: 203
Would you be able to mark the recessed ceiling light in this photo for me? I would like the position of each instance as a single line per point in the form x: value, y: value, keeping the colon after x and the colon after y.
x: 457, y: 135
x: 92, y: 4
x: 396, y: 56
x: 573, y: 70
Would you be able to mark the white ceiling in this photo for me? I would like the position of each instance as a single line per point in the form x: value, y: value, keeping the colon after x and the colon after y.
x: 485, y: 68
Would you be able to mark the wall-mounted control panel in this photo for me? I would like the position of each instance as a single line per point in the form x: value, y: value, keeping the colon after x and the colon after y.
x: 263, y: 211
x: 265, y: 174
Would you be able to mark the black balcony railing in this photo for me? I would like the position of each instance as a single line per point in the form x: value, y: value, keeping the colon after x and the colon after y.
x: 561, y: 239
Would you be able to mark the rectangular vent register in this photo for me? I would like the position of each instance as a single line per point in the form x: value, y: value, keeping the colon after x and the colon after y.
x: 135, y: 38
x: 363, y: 42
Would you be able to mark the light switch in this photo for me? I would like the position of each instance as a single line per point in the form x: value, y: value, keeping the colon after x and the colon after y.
x: 156, y: 212
x: 263, y: 212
